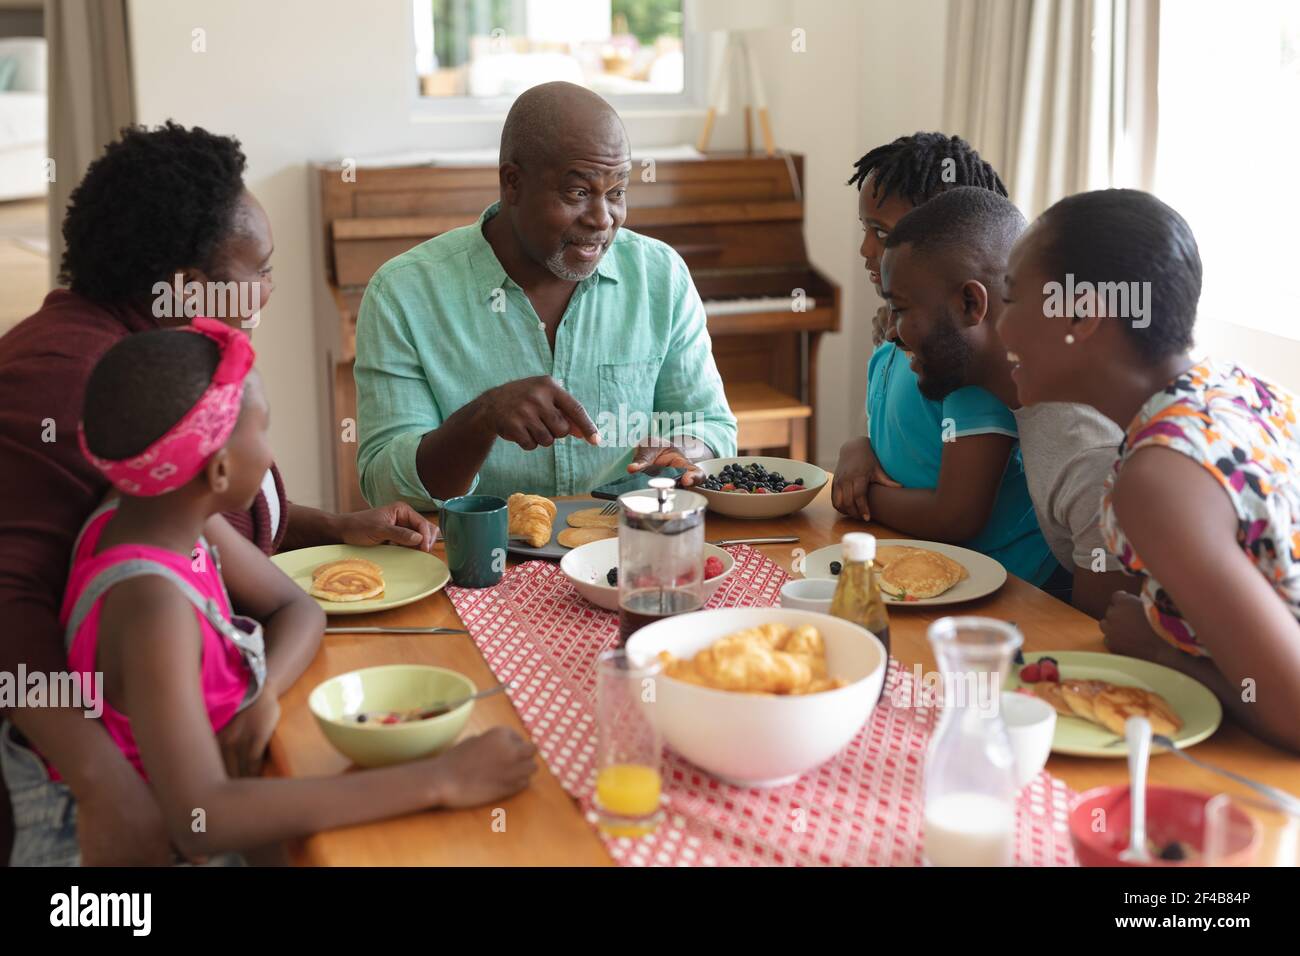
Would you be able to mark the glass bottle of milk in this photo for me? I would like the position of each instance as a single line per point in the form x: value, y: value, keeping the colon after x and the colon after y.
x: 970, y: 781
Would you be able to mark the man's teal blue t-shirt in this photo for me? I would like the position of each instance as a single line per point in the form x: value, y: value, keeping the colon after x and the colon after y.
x: 907, y: 434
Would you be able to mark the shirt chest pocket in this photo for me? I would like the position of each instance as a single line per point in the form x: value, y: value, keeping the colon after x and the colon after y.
x: 628, y: 387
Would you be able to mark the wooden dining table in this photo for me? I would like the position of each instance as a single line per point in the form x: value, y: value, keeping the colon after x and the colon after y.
x: 544, y: 826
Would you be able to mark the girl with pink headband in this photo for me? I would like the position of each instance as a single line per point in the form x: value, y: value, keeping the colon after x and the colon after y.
x: 177, y: 421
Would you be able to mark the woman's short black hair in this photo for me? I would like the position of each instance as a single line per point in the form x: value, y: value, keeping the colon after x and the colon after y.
x: 920, y: 166
x: 1129, y: 236
x: 157, y: 201
x: 142, y: 386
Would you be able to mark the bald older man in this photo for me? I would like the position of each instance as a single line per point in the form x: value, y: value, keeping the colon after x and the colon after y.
x: 543, y: 349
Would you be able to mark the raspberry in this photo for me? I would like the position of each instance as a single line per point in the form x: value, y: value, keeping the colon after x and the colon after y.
x: 1047, y: 667
x: 760, y: 490
x: 712, y: 567
x: 1031, y: 673
x: 729, y: 486
x: 792, y: 488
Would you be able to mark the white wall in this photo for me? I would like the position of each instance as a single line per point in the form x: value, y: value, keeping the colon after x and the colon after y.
x: 872, y: 71
x: 305, y: 80
x: 1270, y: 356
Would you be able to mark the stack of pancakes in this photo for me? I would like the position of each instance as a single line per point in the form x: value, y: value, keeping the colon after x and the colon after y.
x: 586, y: 525
x: 349, y: 579
x: 916, y: 573
x: 1109, y: 705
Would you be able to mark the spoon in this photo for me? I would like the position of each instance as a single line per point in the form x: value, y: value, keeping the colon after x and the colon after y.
x: 1138, y: 732
x: 447, y: 707
x: 1281, y: 799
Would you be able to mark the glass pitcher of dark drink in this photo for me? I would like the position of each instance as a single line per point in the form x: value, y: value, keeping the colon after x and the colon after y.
x: 660, y: 554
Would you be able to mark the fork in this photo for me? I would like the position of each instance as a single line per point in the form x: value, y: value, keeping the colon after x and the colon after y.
x: 1280, y: 798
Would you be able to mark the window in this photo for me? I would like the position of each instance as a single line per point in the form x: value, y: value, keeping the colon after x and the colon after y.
x: 1229, y: 152
x: 478, y: 55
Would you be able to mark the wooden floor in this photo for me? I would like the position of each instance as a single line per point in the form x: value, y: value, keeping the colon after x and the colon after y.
x: 24, y: 270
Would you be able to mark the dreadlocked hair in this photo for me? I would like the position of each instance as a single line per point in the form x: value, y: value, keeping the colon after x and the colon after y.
x: 915, y: 168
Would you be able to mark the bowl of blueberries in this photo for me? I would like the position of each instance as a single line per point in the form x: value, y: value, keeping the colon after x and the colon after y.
x: 758, y: 486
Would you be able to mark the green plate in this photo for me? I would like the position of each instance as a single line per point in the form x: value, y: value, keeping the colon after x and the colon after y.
x: 408, y: 574
x: 1199, y: 709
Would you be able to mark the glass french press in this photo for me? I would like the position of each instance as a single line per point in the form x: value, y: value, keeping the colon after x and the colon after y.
x: 660, y: 554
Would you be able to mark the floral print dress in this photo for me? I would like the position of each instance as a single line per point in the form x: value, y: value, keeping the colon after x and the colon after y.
x: 1244, y: 431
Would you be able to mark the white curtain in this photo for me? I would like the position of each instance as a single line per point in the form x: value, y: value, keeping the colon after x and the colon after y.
x: 90, y: 97
x: 1059, y: 95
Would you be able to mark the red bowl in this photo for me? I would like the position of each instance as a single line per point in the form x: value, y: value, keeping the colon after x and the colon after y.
x: 1099, y: 826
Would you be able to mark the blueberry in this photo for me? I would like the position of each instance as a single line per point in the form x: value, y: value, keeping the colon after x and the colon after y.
x: 1173, y: 851
x: 798, y: 481
x: 1020, y: 657
x: 612, y: 577
x: 836, y: 567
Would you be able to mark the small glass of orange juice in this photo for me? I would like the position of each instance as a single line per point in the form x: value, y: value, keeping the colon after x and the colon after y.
x: 628, y: 748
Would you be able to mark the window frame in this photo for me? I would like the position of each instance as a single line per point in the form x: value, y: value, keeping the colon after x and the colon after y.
x: 691, y: 101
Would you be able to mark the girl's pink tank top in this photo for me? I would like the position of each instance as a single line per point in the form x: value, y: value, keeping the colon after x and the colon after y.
x: 224, y: 674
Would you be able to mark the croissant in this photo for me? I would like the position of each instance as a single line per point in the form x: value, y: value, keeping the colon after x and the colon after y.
x: 530, y: 518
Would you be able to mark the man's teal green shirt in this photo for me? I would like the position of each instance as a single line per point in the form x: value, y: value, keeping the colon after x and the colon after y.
x: 442, y: 323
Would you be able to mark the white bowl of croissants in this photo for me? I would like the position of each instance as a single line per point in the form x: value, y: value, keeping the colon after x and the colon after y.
x: 768, y: 737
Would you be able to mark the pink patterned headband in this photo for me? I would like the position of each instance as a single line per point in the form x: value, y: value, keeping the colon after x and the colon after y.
x: 181, y: 453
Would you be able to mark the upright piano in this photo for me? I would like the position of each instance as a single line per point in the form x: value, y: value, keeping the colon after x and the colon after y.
x: 735, y: 218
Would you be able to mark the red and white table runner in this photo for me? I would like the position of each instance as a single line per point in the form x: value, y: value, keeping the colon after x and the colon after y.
x: 862, y: 808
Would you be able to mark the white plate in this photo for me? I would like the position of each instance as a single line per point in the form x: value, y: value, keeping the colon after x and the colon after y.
x: 986, y: 574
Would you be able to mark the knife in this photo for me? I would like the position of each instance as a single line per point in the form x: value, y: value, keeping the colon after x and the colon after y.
x: 376, y: 629
x: 784, y: 539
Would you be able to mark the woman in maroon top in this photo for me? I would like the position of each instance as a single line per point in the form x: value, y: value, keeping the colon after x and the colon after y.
x: 160, y: 206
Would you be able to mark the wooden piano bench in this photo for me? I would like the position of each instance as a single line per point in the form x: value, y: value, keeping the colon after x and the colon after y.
x: 768, y: 420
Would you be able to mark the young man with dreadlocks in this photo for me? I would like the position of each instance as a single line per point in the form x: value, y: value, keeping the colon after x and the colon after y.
x: 959, y: 443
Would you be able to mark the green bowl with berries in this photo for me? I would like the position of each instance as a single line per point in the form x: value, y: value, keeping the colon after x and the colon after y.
x: 391, y: 714
x: 756, y: 486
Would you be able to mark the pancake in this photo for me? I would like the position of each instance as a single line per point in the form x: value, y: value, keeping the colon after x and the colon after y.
x: 1115, y: 705
x: 350, y: 564
x: 592, y: 518
x: 1080, y: 695
x: 920, y: 574
x: 887, y: 553
x: 572, y: 537
x: 341, y: 583
x: 1050, y: 691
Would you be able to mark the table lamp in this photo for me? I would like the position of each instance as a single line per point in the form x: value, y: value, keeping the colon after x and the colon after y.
x: 736, y: 18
